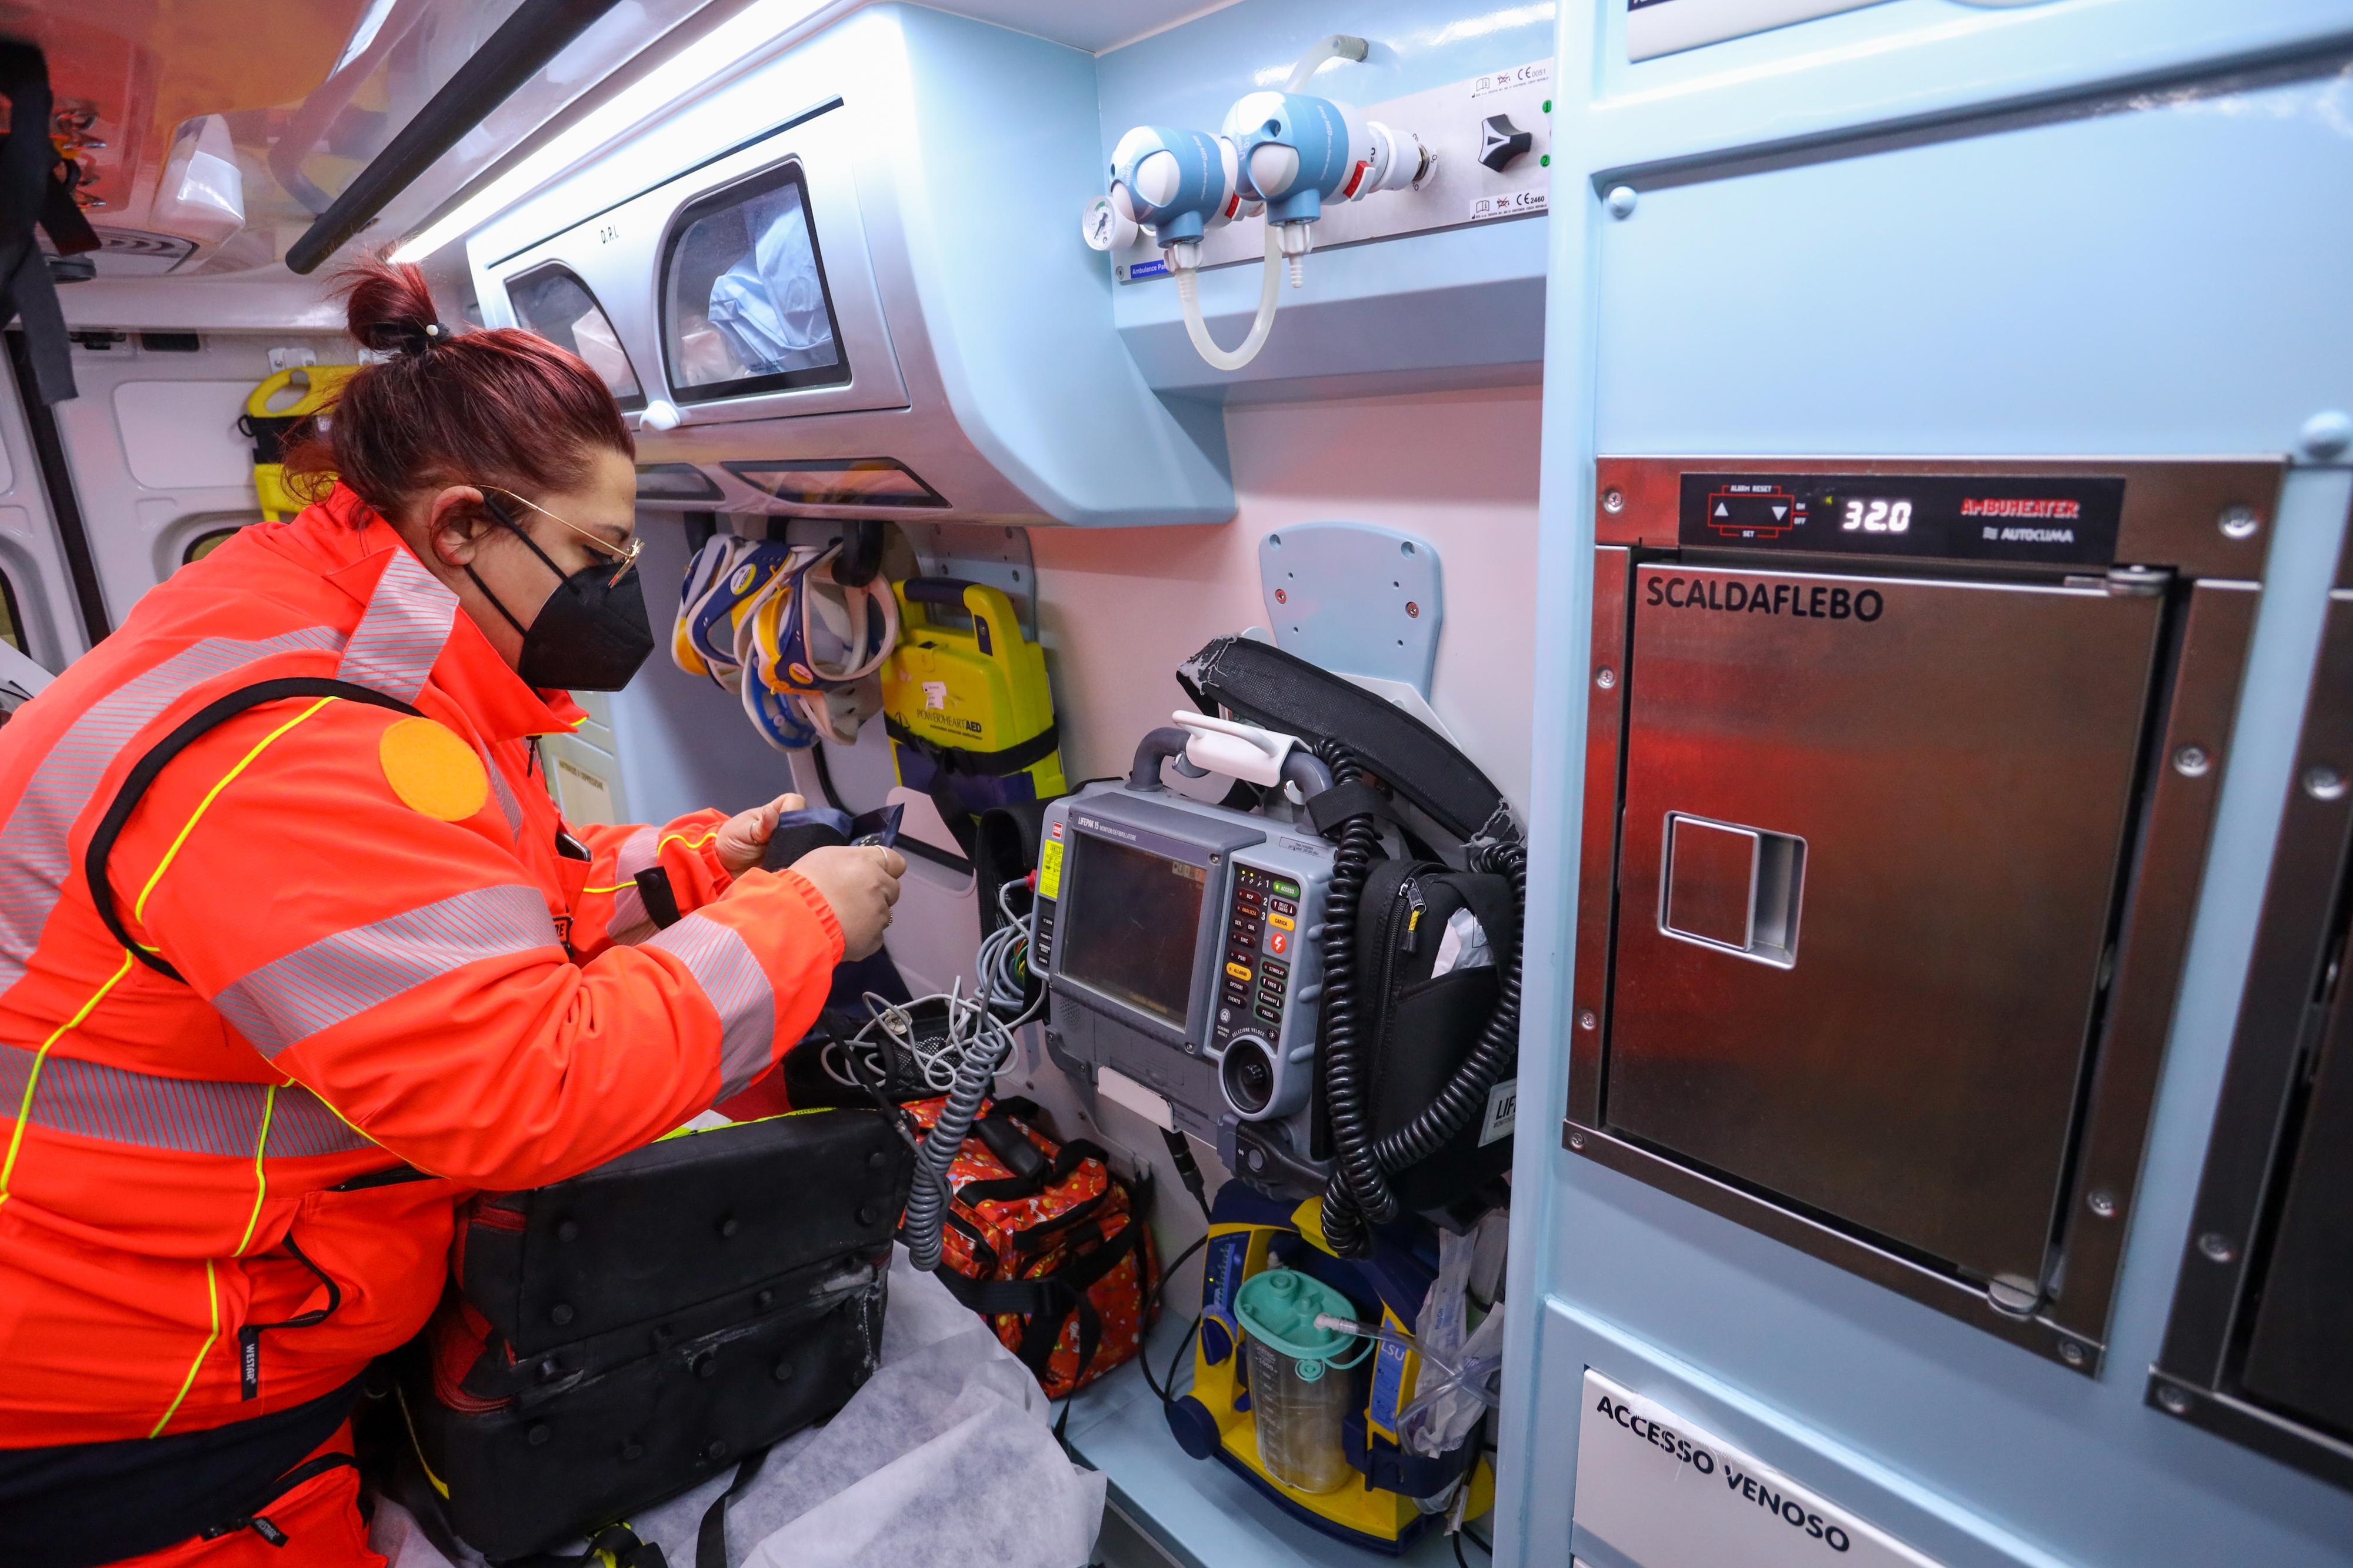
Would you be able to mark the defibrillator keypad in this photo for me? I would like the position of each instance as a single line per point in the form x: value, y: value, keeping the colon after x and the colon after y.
x: 1261, y: 928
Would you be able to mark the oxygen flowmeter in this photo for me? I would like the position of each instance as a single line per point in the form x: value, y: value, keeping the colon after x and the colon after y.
x: 1290, y: 151
x: 1295, y: 153
x: 1173, y: 183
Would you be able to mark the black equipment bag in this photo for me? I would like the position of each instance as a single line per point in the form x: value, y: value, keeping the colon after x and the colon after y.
x: 619, y: 1338
x: 1401, y: 933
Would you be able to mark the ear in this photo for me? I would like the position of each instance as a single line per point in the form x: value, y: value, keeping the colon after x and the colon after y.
x: 455, y: 524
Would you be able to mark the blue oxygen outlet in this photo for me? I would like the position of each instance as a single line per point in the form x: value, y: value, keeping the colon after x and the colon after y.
x: 1294, y: 151
x: 1173, y: 182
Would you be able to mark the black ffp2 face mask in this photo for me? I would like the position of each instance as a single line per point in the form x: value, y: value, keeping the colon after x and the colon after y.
x: 592, y: 635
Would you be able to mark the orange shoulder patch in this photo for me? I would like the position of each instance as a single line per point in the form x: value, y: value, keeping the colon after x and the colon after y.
x: 432, y: 771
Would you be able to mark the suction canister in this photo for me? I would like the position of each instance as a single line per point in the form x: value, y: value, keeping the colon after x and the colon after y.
x: 1299, y: 1394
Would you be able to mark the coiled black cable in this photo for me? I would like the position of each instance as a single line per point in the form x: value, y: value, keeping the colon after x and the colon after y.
x: 1359, y: 1193
x: 1358, y: 1187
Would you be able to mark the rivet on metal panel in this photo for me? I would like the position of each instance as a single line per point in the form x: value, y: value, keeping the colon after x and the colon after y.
x: 1605, y: 678
x: 1412, y: 609
x: 2071, y: 1352
x: 2239, y: 522
x: 2174, y: 1400
x: 2329, y: 434
x: 1620, y: 201
x: 2103, y: 1204
x: 2323, y: 783
x: 2217, y: 1247
x: 2190, y: 762
x: 1586, y: 1020
x: 1613, y: 499
x: 1577, y: 1140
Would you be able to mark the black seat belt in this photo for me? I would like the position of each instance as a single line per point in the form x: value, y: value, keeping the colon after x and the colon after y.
x: 37, y: 187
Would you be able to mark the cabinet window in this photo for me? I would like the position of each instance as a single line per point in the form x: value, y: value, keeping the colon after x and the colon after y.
x: 203, y: 544
x: 552, y: 302
x: 744, y: 303
x: 12, y: 625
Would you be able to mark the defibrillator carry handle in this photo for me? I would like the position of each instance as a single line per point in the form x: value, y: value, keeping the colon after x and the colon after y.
x: 1181, y: 742
x: 956, y: 593
x: 946, y: 591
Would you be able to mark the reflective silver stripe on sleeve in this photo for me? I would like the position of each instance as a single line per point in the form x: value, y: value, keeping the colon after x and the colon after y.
x: 183, y: 1116
x: 630, y: 924
x: 287, y: 1001
x: 509, y: 807
x: 408, y: 618
x: 738, y: 989
x: 33, y: 853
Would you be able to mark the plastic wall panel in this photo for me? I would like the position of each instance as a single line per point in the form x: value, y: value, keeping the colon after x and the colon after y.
x: 2054, y: 282
x: 974, y: 150
x: 2082, y: 225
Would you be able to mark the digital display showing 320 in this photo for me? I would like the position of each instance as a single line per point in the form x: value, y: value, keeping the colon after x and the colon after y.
x: 2058, y: 521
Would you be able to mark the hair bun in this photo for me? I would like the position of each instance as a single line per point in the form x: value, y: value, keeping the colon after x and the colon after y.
x: 389, y: 307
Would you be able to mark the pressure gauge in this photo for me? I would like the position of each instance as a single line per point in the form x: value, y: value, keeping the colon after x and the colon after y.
x: 1105, y: 229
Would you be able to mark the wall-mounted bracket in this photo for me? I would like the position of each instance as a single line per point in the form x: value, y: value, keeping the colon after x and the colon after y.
x: 1360, y: 600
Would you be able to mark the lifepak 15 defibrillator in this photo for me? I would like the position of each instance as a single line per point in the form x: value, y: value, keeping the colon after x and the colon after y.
x: 1184, y: 963
x: 1194, y: 953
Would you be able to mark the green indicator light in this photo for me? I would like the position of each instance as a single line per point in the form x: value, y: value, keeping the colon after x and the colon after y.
x: 1547, y: 105
x: 1544, y: 162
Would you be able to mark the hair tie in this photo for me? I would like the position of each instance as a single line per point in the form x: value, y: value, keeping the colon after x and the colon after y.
x: 413, y: 338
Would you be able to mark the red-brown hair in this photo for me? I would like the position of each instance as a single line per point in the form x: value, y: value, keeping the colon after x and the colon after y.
x: 502, y: 406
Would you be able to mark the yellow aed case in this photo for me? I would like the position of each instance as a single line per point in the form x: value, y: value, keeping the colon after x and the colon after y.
x: 1250, y: 1233
x: 315, y: 388
x: 968, y: 706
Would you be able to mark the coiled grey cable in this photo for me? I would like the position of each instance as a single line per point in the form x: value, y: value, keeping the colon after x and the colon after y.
x: 981, y: 1043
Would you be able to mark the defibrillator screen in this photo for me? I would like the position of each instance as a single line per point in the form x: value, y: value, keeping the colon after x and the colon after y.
x: 1129, y: 923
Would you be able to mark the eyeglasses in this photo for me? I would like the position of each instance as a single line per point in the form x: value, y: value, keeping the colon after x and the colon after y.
x: 626, y: 554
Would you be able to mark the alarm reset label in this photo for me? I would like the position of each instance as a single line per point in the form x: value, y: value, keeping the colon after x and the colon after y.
x: 1954, y: 517
x: 1667, y: 1495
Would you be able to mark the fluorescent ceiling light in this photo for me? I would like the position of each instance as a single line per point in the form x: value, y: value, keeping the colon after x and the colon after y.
x: 729, y: 44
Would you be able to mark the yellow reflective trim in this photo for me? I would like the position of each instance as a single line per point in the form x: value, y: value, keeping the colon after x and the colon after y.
x: 211, y: 1294
x: 261, y: 1180
x: 614, y: 888
x: 418, y: 1448
x: 32, y: 1078
x: 139, y: 910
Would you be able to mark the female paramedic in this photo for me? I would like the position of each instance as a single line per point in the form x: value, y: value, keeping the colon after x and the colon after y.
x: 295, y: 951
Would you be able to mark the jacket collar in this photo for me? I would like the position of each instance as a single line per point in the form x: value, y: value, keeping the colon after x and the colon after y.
x: 350, y: 545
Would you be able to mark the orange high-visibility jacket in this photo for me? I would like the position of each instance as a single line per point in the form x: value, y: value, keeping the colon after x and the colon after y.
x: 388, y: 961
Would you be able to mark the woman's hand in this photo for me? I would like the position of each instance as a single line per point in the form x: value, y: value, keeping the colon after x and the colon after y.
x: 860, y: 882
x: 743, y: 837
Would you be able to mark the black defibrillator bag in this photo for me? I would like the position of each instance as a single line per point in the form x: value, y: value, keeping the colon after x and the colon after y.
x: 1432, y: 945
x: 613, y: 1340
